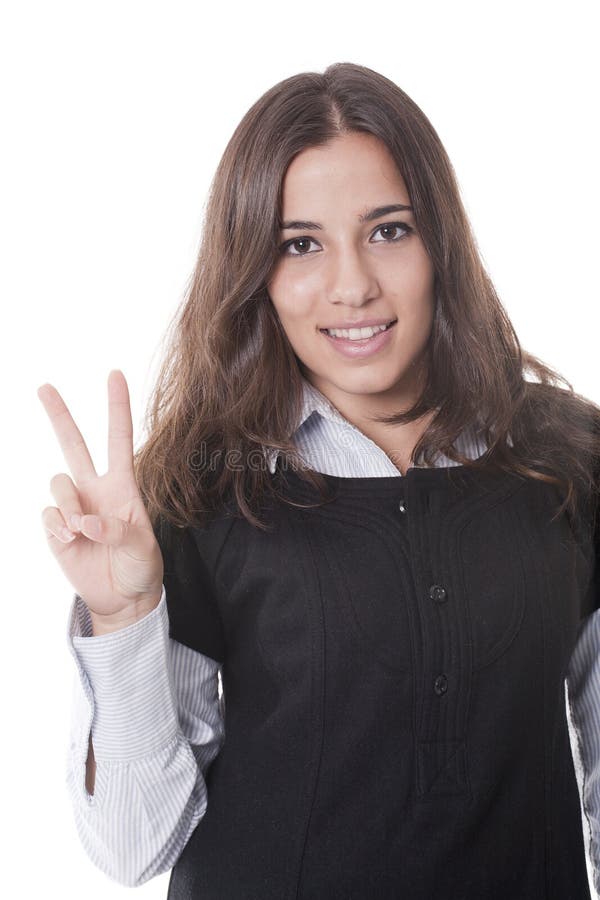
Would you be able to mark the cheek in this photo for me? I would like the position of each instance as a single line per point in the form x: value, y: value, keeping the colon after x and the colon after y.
x: 421, y: 291
x: 421, y: 319
x: 419, y: 276
x: 293, y: 299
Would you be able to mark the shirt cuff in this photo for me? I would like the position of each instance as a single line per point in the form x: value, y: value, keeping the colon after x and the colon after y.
x: 126, y: 680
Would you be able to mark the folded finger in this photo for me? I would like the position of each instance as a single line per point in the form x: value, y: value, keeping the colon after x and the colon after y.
x: 55, y: 526
x: 66, y: 495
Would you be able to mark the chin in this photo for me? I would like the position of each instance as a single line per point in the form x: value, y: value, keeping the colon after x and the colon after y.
x: 367, y: 383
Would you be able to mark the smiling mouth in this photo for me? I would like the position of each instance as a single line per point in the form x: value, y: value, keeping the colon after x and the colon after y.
x: 357, y: 340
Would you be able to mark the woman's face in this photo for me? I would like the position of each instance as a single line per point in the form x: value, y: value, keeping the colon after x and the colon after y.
x: 336, y: 270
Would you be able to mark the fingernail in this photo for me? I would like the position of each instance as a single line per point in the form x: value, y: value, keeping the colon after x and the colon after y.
x: 67, y: 535
x: 75, y: 521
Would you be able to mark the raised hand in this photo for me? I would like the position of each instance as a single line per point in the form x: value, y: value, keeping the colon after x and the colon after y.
x: 113, y: 561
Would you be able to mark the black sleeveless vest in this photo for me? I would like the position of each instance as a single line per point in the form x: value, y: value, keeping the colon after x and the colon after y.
x: 393, y: 671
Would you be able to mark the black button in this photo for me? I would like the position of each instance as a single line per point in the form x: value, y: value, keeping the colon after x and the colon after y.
x: 437, y: 592
x: 402, y: 506
x: 440, y: 685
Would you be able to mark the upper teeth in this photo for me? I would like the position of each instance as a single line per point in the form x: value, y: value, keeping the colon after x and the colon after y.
x: 357, y: 334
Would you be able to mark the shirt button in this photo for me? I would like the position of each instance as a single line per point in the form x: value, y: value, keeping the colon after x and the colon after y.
x: 440, y: 685
x: 402, y: 506
x: 438, y: 593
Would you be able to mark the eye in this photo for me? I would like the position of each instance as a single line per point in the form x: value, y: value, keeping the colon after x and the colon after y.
x: 390, y: 226
x: 284, y: 248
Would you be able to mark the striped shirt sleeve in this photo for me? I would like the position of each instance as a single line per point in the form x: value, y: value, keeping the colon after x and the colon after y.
x: 583, y: 707
x: 157, y: 722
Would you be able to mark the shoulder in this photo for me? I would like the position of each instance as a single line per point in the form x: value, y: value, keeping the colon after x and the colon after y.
x: 180, y: 545
x: 190, y: 556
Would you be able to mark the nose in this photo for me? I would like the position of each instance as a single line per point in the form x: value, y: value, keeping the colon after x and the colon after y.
x: 351, y: 279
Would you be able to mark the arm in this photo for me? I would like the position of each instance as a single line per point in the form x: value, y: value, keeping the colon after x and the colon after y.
x: 583, y: 697
x: 147, y: 721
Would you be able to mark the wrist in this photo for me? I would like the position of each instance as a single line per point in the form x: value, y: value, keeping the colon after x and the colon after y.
x: 116, y: 622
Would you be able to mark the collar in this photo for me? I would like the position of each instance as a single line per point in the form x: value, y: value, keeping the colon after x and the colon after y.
x: 312, y: 401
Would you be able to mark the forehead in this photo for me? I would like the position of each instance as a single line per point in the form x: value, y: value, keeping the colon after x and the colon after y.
x: 353, y: 168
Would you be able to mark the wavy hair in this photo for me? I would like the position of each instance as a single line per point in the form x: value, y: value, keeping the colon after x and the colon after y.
x: 230, y: 384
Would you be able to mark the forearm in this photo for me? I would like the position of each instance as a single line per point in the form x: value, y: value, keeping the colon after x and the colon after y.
x: 136, y: 787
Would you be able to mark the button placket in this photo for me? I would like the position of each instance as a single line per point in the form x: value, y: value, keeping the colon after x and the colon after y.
x: 438, y: 593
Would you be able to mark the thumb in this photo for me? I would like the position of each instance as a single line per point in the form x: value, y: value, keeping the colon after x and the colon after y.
x: 104, y: 529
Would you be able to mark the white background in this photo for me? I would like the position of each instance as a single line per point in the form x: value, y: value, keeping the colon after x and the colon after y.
x: 114, y: 116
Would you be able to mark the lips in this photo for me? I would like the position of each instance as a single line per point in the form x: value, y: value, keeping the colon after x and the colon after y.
x: 362, y: 348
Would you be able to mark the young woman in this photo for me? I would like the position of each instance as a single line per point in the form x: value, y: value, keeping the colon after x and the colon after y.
x: 325, y: 617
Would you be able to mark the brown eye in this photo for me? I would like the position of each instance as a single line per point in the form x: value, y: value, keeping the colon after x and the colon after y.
x: 391, y: 227
x: 284, y: 249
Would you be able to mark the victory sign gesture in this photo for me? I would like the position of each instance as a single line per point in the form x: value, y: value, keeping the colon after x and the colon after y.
x: 111, y: 556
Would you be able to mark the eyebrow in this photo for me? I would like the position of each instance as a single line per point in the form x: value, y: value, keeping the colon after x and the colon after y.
x: 375, y: 213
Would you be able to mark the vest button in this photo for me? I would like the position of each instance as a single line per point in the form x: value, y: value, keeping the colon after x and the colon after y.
x: 438, y: 593
x: 440, y: 685
x: 402, y: 506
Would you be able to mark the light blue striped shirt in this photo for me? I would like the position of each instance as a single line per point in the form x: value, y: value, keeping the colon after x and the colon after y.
x: 156, y: 707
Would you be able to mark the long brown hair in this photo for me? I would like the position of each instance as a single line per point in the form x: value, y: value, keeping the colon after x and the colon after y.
x: 230, y: 384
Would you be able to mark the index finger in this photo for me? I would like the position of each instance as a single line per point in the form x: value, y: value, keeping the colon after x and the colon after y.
x: 69, y: 436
